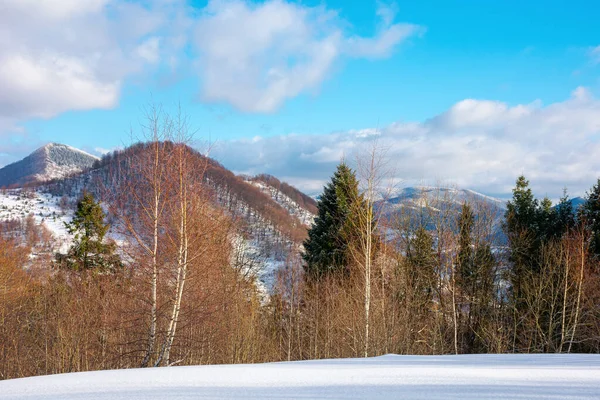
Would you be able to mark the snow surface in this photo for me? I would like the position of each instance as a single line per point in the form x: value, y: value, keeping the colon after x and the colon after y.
x: 17, y: 204
x: 540, y: 376
x: 62, y: 160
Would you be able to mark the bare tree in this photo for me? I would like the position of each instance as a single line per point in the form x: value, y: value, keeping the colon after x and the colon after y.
x: 371, y: 174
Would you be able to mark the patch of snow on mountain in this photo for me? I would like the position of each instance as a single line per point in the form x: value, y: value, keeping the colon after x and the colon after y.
x: 63, y: 160
x: 305, y: 217
x: 17, y: 204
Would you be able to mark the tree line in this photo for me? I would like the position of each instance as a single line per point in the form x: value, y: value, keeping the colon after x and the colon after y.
x: 429, y: 279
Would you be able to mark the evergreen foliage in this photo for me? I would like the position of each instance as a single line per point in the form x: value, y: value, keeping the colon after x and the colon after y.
x: 476, y: 272
x: 590, y: 214
x: 89, y: 229
x: 466, y: 267
x: 521, y: 226
x: 326, y: 248
x: 421, y: 262
x: 565, y: 214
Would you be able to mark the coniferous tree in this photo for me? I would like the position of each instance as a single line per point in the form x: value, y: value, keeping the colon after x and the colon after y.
x: 565, y: 215
x: 326, y: 248
x: 465, y: 253
x: 521, y: 226
x: 476, y: 270
x: 421, y: 260
x: 547, y: 225
x: 89, y: 229
x: 590, y: 215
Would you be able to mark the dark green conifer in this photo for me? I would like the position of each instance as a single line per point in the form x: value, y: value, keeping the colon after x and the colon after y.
x: 590, y: 216
x: 521, y: 226
x: 466, y: 268
x: 421, y: 262
x: 326, y: 248
x: 89, y: 249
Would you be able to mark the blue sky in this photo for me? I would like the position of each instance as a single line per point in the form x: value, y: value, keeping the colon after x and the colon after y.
x: 466, y: 92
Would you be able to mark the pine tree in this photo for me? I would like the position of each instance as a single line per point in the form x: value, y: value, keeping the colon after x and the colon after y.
x: 421, y: 263
x: 565, y: 215
x: 521, y: 211
x: 465, y: 266
x: 326, y: 248
x: 89, y: 229
x: 547, y: 221
x: 521, y: 226
x: 590, y: 215
x: 475, y: 270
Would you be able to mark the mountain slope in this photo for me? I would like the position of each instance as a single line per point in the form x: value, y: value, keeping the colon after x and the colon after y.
x: 269, y: 225
x: 52, y: 161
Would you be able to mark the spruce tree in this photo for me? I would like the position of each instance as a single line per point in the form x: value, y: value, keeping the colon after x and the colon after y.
x: 590, y: 215
x: 89, y: 229
x: 466, y: 268
x: 521, y: 226
x: 326, y: 248
x: 565, y: 215
x: 421, y: 262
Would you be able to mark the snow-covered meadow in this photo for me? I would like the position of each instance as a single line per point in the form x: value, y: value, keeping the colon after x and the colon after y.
x: 540, y: 376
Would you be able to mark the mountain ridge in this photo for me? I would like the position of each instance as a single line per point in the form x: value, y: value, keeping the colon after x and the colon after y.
x: 51, y: 161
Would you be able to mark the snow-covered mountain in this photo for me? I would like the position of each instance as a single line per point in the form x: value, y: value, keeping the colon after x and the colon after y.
x: 423, y: 196
x: 271, y: 223
x: 52, y: 161
x: 422, y: 204
x: 415, y: 200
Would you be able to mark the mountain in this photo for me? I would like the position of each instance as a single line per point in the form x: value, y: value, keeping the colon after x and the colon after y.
x: 422, y: 204
x: 271, y: 217
x: 417, y: 198
x: 577, y: 202
x: 52, y: 161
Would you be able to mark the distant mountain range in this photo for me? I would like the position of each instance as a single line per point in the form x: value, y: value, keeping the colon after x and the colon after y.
x: 423, y: 205
x: 419, y: 196
x: 53, y: 161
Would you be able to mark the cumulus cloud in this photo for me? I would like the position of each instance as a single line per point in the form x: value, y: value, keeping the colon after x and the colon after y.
x: 70, y: 55
x: 478, y: 144
x: 255, y: 56
x: 61, y: 55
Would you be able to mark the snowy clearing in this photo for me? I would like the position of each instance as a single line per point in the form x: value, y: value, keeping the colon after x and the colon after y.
x: 541, y: 376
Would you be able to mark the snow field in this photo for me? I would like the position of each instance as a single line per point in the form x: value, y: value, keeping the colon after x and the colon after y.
x: 541, y: 376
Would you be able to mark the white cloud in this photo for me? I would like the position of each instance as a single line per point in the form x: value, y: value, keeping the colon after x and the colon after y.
x: 255, y: 56
x: 61, y: 55
x: 64, y: 55
x: 478, y: 144
x: 149, y: 50
x: 383, y: 44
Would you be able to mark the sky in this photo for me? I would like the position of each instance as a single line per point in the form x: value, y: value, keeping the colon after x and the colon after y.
x: 465, y: 92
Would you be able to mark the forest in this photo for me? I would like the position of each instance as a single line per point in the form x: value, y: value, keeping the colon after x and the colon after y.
x: 361, y: 281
